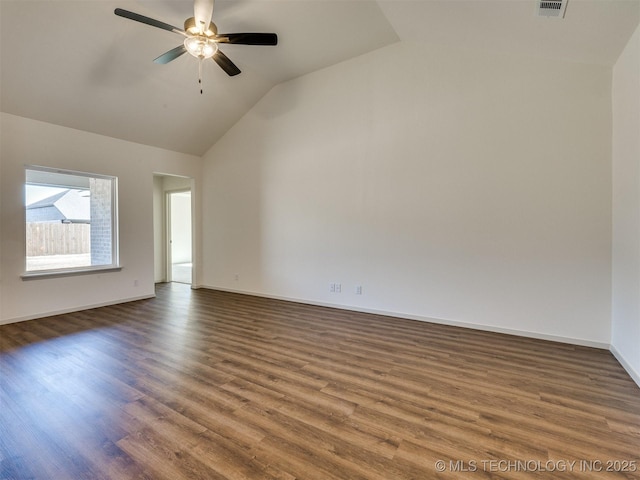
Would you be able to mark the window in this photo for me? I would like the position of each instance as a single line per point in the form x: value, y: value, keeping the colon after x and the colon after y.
x: 71, y: 221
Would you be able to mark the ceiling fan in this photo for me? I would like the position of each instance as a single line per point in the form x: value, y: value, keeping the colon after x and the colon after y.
x: 202, y: 38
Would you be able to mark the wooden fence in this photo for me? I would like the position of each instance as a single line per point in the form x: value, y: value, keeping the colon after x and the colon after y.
x: 56, y: 238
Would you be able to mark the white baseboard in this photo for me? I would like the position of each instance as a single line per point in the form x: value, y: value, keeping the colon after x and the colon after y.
x: 626, y: 365
x: 74, y: 309
x: 453, y: 323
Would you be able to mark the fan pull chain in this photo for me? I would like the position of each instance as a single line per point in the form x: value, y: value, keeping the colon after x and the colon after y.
x: 200, y: 59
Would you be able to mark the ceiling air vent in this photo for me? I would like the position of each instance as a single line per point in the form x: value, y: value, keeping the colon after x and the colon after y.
x: 551, y: 8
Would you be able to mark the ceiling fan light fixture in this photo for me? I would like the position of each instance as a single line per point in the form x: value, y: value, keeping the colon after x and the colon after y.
x: 200, y: 46
x: 202, y: 37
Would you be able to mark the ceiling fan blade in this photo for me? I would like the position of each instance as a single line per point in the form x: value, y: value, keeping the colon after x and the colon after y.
x: 248, y: 38
x: 171, y: 55
x: 149, y: 21
x: 227, y: 65
x: 202, y: 12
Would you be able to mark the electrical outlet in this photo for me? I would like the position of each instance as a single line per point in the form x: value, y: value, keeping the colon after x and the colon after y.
x: 332, y: 287
x: 338, y: 288
x: 358, y: 289
x: 236, y: 277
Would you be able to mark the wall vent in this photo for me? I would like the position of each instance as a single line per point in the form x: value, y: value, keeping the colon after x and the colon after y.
x: 551, y: 8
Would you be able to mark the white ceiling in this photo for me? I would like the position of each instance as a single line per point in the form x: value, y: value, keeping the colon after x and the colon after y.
x: 75, y: 63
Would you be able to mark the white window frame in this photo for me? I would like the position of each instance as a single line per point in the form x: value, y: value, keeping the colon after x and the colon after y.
x: 115, y: 257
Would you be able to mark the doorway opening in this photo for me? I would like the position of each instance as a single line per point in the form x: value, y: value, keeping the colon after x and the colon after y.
x: 180, y: 259
x: 174, y: 254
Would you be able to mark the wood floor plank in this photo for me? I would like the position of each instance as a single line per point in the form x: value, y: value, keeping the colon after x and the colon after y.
x: 202, y: 384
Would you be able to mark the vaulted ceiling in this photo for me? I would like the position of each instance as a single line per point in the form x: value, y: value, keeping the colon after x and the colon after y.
x: 76, y: 64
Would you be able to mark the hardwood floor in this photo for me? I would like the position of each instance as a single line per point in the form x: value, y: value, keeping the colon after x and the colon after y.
x: 212, y: 385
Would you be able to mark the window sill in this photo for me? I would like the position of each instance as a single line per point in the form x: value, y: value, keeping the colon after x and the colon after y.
x: 69, y: 272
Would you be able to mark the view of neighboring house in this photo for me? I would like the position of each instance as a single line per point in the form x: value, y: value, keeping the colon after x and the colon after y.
x: 68, y: 206
x: 59, y: 231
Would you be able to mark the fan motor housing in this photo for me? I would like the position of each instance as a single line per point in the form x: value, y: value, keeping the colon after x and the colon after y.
x: 190, y: 27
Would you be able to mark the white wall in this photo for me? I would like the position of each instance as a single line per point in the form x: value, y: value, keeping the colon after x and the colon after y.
x: 625, y: 338
x: 460, y: 186
x: 27, y: 141
x: 159, y: 228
